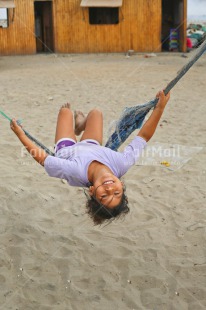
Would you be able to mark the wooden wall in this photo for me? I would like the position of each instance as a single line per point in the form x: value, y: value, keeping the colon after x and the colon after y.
x: 183, y: 27
x: 139, y: 29
x: 19, y: 37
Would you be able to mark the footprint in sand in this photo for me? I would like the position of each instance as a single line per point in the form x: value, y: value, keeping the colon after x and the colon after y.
x: 196, y: 226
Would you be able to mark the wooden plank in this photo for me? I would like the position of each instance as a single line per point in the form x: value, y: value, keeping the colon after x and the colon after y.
x: 101, y: 3
x: 9, y: 4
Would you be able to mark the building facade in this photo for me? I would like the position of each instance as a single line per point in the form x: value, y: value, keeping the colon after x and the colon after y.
x: 90, y: 26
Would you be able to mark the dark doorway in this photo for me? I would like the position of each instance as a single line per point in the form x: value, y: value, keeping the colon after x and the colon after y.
x: 43, y: 26
x: 172, y: 21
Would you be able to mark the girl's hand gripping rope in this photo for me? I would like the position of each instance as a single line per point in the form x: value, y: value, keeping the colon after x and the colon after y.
x: 37, y: 153
x: 163, y: 99
x: 148, y: 129
x: 16, y: 127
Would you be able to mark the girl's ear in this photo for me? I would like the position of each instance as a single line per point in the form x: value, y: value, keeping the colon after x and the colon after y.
x: 91, y: 190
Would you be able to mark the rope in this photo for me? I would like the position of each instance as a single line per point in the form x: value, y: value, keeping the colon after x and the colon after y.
x: 133, y: 117
x: 30, y: 136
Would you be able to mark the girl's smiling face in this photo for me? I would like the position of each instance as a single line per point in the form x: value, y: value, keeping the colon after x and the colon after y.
x: 108, y: 190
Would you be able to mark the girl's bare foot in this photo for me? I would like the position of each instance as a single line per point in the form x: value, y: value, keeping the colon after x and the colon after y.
x: 80, y: 122
x: 66, y: 106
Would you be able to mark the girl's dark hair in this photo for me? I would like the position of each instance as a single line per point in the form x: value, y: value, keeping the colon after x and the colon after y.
x: 100, y: 213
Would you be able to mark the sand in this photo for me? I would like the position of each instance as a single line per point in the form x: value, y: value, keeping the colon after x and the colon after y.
x: 52, y: 257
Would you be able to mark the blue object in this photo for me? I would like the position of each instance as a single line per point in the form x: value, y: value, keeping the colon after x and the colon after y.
x: 133, y: 118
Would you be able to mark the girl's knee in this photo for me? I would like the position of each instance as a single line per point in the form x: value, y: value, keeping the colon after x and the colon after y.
x: 64, y: 111
x: 96, y: 112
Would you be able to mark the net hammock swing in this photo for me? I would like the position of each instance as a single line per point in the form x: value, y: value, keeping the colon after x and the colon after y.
x: 133, y: 117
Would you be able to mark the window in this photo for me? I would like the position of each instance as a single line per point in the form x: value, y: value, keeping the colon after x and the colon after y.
x: 4, y: 22
x: 103, y: 16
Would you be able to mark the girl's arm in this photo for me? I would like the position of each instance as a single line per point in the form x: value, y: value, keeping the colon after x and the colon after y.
x: 148, y: 129
x: 38, y: 154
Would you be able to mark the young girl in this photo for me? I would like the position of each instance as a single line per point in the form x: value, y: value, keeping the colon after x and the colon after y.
x: 87, y: 163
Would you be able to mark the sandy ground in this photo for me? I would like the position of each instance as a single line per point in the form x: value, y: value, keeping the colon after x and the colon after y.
x: 52, y: 257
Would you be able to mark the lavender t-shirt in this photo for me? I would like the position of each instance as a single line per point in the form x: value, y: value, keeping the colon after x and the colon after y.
x: 72, y: 163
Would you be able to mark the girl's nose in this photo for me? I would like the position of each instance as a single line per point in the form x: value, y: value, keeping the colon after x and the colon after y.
x: 109, y: 189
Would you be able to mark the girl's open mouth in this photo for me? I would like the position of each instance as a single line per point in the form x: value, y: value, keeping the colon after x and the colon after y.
x: 108, y: 182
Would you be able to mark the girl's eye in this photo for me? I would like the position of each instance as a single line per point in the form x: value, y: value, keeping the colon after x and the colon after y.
x: 116, y: 193
x: 103, y: 196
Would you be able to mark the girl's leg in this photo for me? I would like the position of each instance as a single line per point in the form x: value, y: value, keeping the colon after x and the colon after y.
x: 93, y: 126
x: 64, y: 128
